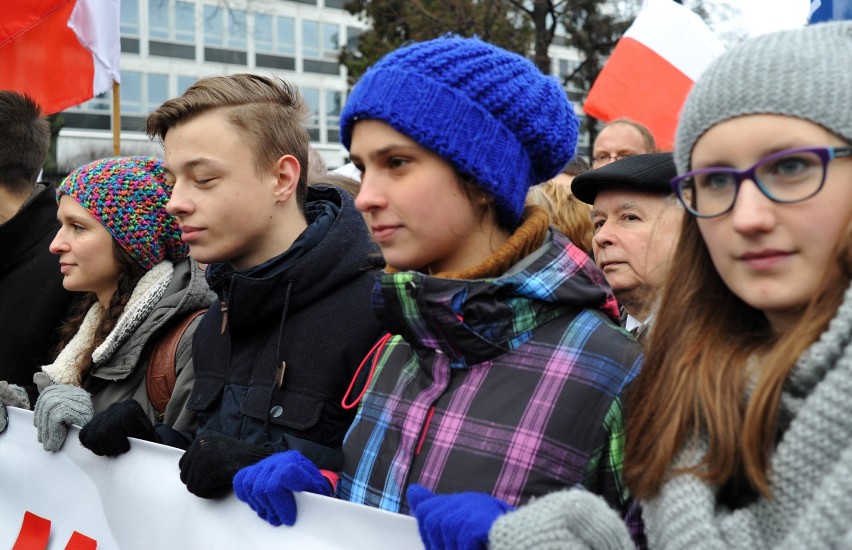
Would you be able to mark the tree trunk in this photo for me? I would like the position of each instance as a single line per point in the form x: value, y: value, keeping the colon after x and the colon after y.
x: 542, y: 35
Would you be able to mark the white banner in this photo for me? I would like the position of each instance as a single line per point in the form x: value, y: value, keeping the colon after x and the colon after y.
x: 138, y: 501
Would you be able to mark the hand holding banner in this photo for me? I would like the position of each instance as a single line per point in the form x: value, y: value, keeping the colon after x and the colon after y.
x: 136, y: 500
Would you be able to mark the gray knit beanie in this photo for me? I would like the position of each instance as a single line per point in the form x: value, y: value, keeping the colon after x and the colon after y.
x: 805, y: 73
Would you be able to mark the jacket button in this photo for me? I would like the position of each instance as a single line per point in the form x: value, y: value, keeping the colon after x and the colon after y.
x: 276, y: 411
x: 411, y: 288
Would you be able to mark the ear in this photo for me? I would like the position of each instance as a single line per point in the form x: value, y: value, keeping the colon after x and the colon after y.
x: 287, y: 171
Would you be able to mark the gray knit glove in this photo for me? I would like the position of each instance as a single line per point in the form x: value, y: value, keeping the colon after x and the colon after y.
x: 42, y: 380
x: 573, y: 519
x: 57, y: 407
x: 11, y: 395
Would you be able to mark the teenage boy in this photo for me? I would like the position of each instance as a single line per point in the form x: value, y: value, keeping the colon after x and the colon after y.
x: 293, y: 268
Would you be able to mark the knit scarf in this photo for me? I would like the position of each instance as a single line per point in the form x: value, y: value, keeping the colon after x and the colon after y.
x: 811, y: 476
x: 145, y: 296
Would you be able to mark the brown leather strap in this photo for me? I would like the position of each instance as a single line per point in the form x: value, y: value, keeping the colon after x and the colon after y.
x: 162, y: 363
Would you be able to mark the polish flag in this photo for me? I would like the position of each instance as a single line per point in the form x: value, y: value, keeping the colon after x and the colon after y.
x: 60, y: 52
x: 653, y: 67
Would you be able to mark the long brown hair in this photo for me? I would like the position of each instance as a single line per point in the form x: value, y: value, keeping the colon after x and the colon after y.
x: 129, y: 273
x: 694, y: 377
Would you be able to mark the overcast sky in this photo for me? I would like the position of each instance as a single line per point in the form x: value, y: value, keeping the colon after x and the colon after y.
x: 760, y: 16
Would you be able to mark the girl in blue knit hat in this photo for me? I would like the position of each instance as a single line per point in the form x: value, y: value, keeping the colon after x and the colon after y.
x: 740, y: 426
x: 503, y: 366
x: 120, y: 249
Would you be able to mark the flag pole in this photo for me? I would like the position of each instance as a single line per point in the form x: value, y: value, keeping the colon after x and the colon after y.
x: 116, y: 118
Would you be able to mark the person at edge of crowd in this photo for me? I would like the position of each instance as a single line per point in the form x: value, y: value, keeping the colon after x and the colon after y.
x: 506, y: 365
x: 739, y: 433
x: 117, y: 244
x: 567, y: 214
x: 292, y: 267
x: 621, y: 138
x: 28, y: 272
x: 637, y: 221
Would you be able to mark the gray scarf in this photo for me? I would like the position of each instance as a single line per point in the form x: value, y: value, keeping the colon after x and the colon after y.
x: 811, y: 477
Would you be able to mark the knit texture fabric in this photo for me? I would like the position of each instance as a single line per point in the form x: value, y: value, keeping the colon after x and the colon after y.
x: 802, y: 73
x: 128, y: 195
x: 811, y: 477
x: 489, y: 112
x: 573, y: 519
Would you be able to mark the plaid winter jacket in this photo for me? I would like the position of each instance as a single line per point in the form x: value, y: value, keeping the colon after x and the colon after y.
x: 508, y: 386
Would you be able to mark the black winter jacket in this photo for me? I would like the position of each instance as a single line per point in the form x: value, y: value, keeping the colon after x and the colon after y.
x: 296, y: 329
x: 33, y: 302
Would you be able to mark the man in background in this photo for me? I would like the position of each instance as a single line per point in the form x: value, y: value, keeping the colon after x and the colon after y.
x: 621, y: 138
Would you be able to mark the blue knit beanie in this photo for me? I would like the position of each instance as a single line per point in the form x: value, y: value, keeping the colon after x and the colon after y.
x: 489, y: 112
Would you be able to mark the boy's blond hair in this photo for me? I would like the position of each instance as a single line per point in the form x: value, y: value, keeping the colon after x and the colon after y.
x: 270, y: 113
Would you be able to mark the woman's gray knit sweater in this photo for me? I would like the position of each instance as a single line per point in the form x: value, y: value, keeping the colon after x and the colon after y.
x: 811, y: 479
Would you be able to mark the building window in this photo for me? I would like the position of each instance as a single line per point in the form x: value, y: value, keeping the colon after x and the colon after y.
x: 213, y: 34
x: 101, y: 102
x: 158, y: 90
x: 141, y: 93
x: 237, y: 30
x: 310, y: 38
x: 567, y: 67
x: 311, y: 96
x: 285, y: 37
x: 330, y: 40
x: 225, y: 27
x: 185, y: 82
x: 130, y: 18
x: 333, y: 104
x: 264, y: 40
x: 131, y: 92
x: 320, y: 39
x: 184, y: 22
x: 171, y: 20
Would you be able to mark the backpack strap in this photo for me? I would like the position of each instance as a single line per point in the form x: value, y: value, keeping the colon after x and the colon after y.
x: 162, y: 363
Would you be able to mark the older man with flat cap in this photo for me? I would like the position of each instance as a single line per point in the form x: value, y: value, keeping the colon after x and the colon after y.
x: 637, y: 221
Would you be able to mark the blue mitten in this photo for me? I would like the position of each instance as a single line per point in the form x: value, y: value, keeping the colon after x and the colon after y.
x: 56, y: 408
x: 268, y: 485
x: 460, y: 520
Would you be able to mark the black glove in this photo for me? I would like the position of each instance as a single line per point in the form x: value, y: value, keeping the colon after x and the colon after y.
x: 209, y: 465
x: 106, y: 434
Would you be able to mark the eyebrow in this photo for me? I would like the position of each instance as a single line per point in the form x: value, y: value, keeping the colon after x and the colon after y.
x: 70, y: 217
x: 629, y: 205
x: 761, y: 155
x: 194, y: 163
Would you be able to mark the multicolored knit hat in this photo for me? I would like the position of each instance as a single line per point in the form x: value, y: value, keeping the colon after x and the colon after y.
x: 489, y: 112
x: 128, y: 195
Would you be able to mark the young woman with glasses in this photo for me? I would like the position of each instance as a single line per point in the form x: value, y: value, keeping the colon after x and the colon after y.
x: 739, y: 426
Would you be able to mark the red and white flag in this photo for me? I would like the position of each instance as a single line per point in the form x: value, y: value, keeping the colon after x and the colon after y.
x: 653, y: 67
x: 60, y: 52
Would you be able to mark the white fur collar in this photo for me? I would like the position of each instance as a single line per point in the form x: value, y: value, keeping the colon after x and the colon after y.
x: 149, y: 290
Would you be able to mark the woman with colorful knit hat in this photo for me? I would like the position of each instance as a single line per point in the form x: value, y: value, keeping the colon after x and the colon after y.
x: 740, y: 426
x: 504, y: 365
x: 117, y: 244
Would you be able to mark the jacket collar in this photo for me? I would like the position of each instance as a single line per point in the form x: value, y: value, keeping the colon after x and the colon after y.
x: 472, y: 321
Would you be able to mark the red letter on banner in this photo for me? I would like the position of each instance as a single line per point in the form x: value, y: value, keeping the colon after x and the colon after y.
x: 34, y: 533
